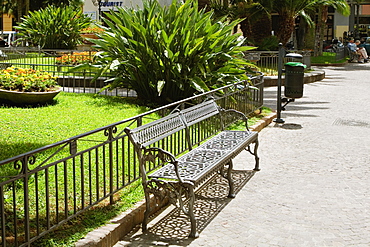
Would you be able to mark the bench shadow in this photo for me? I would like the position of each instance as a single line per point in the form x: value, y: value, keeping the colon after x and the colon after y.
x: 174, y: 227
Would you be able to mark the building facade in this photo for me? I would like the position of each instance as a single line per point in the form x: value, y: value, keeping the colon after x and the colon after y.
x: 357, y: 25
x: 96, y: 8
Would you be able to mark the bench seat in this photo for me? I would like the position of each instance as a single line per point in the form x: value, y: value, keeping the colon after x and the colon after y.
x: 210, y: 155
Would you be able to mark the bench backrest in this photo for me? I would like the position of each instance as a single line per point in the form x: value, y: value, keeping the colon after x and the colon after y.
x: 162, y: 128
x: 199, y: 112
x: 157, y: 130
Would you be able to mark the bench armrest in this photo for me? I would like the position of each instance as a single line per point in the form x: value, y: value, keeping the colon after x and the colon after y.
x: 153, y: 153
x: 230, y: 115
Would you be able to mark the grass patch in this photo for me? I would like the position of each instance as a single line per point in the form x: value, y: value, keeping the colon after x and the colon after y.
x: 258, y: 115
x: 23, y: 129
x: 252, y: 119
x: 327, y: 58
x: 68, y: 234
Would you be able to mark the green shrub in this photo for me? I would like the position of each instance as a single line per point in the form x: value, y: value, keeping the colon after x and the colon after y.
x: 169, y: 53
x: 269, y: 44
x: 53, y: 27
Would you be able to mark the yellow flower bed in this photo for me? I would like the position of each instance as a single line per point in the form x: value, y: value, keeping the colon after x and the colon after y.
x: 26, y: 80
x: 75, y: 58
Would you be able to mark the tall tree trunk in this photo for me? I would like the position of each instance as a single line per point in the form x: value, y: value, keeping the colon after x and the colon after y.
x: 320, y: 29
x: 246, y: 28
x: 302, y: 30
x: 23, y: 6
x: 261, y: 29
x: 19, y: 10
x: 27, y: 7
x: 286, y: 27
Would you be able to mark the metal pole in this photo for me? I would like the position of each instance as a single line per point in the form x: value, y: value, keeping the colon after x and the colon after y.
x: 99, y: 10
x: 280, y: 72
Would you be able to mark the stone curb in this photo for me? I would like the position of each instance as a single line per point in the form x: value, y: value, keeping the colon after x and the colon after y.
x: 117, y: 228
x: 265, y: 121
x: 310, y: 77
x: 329, y: 64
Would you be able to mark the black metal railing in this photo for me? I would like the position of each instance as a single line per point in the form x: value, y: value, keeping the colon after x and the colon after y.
x: 58, y: 63
x: 340, y: 53
x: 55, y: 183
x: 267, y: 61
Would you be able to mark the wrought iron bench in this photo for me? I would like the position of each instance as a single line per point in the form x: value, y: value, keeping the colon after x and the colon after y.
x: 179, y: 176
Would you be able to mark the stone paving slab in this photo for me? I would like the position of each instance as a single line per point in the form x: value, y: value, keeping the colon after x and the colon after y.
x: 313, y: 188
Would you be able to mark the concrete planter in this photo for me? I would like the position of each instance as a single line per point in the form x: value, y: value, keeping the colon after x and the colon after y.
x: 24, y: 98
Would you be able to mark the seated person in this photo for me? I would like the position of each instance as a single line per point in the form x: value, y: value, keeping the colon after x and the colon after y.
x: 351, y: 45
x: 367, y: 45
x: 361, y: 51
x: 352, y: 50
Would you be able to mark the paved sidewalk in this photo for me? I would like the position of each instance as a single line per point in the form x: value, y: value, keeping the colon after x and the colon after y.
x: 313, y: 188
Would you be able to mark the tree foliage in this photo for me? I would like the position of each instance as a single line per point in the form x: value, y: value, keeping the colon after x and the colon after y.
x: 258, y: 12
x: 169, y: 53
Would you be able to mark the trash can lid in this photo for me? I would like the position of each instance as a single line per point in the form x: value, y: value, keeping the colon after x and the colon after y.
x: 296, y: 64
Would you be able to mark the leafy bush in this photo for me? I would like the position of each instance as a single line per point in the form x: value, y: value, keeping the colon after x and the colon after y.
x: 53, y: 27
x: 92, y: 28
x: 169, y: 53
x: 26, y: 80
x: 269, y: 44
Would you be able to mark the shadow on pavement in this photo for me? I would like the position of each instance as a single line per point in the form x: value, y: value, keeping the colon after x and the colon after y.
x: 174, y: 227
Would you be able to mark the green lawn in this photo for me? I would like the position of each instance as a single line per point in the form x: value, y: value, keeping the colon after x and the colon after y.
x: 326, y: 58
x: 28, y: 128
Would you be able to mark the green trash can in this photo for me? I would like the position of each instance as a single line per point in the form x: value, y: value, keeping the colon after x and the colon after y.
x: 294, y: 74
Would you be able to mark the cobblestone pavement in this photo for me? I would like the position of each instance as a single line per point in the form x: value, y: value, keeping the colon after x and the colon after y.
x: 313, y: 188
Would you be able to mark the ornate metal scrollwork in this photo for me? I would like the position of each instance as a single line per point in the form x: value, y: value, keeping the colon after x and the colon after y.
x: 22, y: 164
x: 162, y: 189
x: 110, y: 131
x: 177, y: 193
x: 231, y: 116
x: 222, y: 171
x: 151, y: 154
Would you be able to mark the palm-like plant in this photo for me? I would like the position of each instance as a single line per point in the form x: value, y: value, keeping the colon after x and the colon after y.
x: 54, y: 27
x: 256, y: 24
x: 169, y: 53
x: 288, y: 11
x: 19, y: 8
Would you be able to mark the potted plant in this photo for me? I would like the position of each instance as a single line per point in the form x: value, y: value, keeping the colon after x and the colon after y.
x: 90, y: 32
x: 27, y: 86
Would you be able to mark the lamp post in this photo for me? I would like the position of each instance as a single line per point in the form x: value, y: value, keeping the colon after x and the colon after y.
x: 99, y: 3
x: 282, y: 53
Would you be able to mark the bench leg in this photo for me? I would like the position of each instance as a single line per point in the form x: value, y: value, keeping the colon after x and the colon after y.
x: 147, y: 211
x: 230, y: 180
x: 257, y: 165
x: 190, y: 212
x: 257, y: 159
